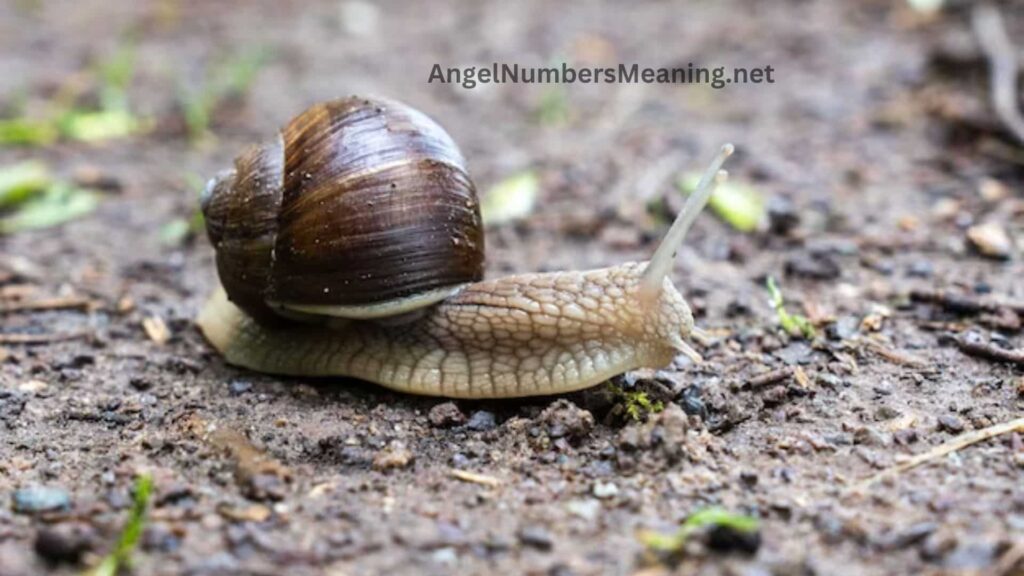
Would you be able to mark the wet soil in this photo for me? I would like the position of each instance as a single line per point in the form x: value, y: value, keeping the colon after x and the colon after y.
x: 876, y: 144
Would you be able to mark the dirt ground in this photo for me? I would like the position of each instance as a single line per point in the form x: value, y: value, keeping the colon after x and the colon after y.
x: 876, y: 144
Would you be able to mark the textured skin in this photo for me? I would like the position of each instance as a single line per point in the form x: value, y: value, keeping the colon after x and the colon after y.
x: 525, y: 335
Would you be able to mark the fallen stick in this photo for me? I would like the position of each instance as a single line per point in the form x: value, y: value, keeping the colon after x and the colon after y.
x: 1003, y: 65
x: 71, y: 302
x: 770, y: 377
x: 990, y: 351
x: 474, y: 478
x: 965, y: 303
x: 894, y: 356
x: 960, y: 442
x: 39, y: 338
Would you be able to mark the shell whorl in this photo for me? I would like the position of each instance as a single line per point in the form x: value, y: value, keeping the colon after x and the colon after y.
x: 361, y: 205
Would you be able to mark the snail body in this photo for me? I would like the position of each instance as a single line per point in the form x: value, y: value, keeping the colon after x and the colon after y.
x: 294, y: 300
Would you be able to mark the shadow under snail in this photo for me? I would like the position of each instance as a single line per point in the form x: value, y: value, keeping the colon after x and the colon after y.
x: 352, y: 245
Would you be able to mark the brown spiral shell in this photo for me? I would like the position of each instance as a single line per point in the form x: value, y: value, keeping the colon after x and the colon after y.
x: 359, y: 203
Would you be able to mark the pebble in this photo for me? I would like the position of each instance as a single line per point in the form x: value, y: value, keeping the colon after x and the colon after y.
x: 782, y: 215
x: 536, y: 537
x: 446, y: 555
x: 951, y: 424
x: 238, y: 387
x: 887, y: 412
x: 869, y: 437
x: 445, y: 415
x: 921, y: 269
x: 481, y: 421
x: 795, y: 353
x: 605, y: 490
x: 564, y: 419
x: 990, y: 240
x: 907, y: 537
x: 844, y: 328
x: 587, y: 508
x: 692, y: 403
x: 41, y: 499
x: 814, y: 266
x: 905, y: 436
x: 724, y: 538
x: 64, y: 542
x: 396, y: 455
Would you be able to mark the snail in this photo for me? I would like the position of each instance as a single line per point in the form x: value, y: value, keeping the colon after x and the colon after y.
x: 352, y: 246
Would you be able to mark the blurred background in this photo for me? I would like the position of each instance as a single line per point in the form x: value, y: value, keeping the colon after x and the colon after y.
x: 884, y: 161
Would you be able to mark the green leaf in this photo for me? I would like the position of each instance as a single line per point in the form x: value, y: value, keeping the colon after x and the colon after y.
x: 793, y: 324
x: 178, y: 230
x: 121, y: 555
x: 554, y: 107
x: 708, y: 517
x: 511, y: 199
x: 59, y: 203
x: 22, y: 181
x: 740, y: 205
x: 95, y: 126
x: 27, y: 132
x: 236, y: 75
x: 720, y: 517
x: 115, y: 75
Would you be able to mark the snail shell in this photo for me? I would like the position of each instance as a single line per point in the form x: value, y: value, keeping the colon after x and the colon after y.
x: 361, y: 208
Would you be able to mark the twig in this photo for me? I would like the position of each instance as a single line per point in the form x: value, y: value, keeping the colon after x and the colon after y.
x: 1003, y: 64
x: 770, y: 377
x: 965, y: 303
x: 894, y: 356
x: 475, y: 478
x: 960, y: 442
x: 64, y: 303
x: 1009, y: 561
x: 990, y: 351
x: 40, y: 338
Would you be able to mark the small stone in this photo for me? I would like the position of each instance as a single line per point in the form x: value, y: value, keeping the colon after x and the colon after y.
x: 971, y: 556
x: 604, y: 491
x: 887, y: 413
x: 782, y: 215
x: 921, y: 269
x: 536, y: 537
x: 64, y: 542
x: 445, y: 415
x: 869, y: 437
x: 795, y: 353
x: 32, y: 386
x: 990, y: 240
x: 844, y: 328
x: 481, y: 421
x: 951, y: 424
x: 816, y: 266
x: 140, y: 383
x: 396, y: 455
x: 724, y: 538
x: 905, y: 436
x: 238, y: 387
x: 910, y: 536
x: 566, y: 420
x: 692, y: 402
x: 41, y: 499
x: 587, y: 508
x: 749, y: 479
x: 446, y: 555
